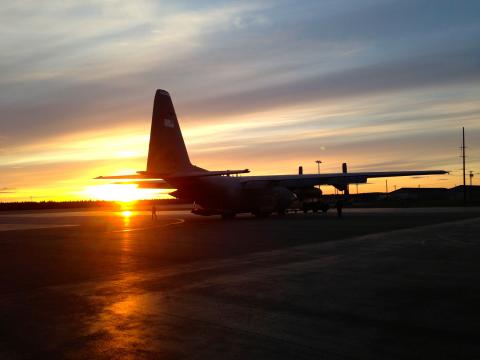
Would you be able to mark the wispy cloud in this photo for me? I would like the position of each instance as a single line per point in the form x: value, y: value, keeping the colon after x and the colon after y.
x: 6, y: 190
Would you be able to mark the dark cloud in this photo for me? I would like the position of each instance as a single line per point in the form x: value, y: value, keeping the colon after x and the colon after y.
x: 76, y: 107
x: 6, y: 190
x: 286, y: 61
x: 383, y: 20
x: 427, y: 71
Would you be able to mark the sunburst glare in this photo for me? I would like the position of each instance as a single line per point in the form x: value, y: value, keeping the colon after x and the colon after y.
x: 120, y: 192
x: 126, y: 213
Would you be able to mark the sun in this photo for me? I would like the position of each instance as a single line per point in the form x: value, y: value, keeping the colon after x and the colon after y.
x: 118, y: 192
x: 127, y: 213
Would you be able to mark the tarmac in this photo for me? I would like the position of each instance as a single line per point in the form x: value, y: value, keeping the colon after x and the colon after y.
x: 376, y: 284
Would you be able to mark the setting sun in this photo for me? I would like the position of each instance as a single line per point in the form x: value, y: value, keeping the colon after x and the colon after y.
x: 127, y: 213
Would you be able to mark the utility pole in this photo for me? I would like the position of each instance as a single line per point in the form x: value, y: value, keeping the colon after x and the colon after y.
x: 463, y: 161
x: 386, y: 186
x: 471, y: 177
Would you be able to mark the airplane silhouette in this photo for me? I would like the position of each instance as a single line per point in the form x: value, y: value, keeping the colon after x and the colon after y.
x: 219, y: 193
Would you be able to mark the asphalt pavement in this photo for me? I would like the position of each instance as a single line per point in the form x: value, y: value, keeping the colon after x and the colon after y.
x: 379, y: 283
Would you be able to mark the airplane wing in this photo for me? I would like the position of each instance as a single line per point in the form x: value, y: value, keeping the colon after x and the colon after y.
x: 338, y: 180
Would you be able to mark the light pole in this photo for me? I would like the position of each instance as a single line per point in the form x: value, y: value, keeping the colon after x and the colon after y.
x: 318, y: 168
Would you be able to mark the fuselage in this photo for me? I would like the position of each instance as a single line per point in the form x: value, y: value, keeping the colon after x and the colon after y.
x: 227, y: 194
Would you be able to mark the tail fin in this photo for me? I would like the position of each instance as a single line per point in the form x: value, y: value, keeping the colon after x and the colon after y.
x: 166, y: 152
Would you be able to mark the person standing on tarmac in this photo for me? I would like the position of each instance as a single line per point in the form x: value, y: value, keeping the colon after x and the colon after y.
x: 154, y: 212
x: 339, y: 206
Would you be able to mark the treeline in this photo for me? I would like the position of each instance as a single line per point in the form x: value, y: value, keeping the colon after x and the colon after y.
x: 83, y: 204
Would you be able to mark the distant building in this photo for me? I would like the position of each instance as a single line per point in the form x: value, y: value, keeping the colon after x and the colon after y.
x: 369, y: 197
x: 425, y: 194
x: 456, y: 193
x: 358, y: 198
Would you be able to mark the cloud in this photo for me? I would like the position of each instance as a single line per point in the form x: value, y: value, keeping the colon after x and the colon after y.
x: 81, y: 76
x: 440, y: 69
x: 6, y: 190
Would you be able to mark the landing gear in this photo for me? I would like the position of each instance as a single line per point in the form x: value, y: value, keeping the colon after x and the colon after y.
x: 314, y: 206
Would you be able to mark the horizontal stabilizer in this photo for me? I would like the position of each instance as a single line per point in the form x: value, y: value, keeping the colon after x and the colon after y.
x: 212, y: 173
x: 126, y: 177
x: 193, y: 173
x: 147, y: 184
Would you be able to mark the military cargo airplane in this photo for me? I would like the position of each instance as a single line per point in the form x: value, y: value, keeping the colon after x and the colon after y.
x: 219, y: 193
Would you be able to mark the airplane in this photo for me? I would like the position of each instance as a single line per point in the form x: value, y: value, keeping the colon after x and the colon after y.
x: 220, y: 193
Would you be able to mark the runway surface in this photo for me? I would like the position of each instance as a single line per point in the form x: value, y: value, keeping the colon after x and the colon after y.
x: 380, y: 283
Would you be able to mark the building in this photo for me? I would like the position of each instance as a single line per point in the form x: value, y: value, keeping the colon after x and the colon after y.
x: 456, y: 193
x: 420, y: 194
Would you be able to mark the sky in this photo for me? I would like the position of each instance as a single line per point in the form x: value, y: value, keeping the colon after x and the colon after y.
x: 265, y: 85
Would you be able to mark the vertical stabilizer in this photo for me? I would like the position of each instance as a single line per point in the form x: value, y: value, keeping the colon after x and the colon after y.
x: 167, y: 153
